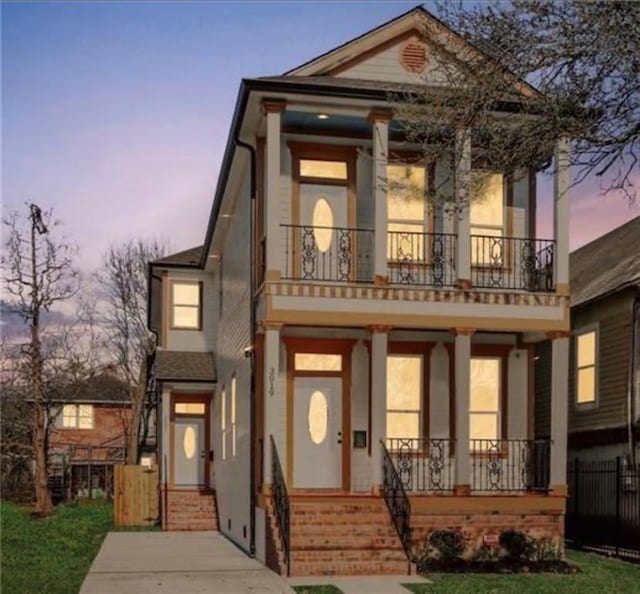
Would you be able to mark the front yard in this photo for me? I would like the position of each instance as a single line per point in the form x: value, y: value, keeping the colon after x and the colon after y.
x: 53, y: 555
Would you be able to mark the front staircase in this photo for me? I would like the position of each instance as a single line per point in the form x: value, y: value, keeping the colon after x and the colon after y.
x: 190, y: 510
x: 340, y: 535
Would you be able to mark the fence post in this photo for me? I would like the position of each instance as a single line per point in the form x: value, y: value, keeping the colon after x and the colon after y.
x: 618, y: 481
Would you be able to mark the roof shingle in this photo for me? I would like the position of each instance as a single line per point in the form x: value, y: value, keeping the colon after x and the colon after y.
x: 190, y: 256
x: 185, y: 365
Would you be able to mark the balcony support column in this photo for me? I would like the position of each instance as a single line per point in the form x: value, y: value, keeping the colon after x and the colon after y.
x: 559, y: 410
x: 561, y: 213
x: 274, y: 401
x: 462, y: 181
x: 379, y: 186
x: 273, y: 112
x: 462, y: 367
x: 379, y: 348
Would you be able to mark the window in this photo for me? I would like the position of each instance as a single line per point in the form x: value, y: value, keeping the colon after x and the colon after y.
x: 487, y: 217
x: 406, y: 211
x: 223, y: 423
x: 185, y: 305
x: 484, y: 401
x: 189, y: 408
x: 77, y: 416
x: 404, y: 395
x: 233, y: 417
x: 586, y: 372
x: 323, y: 169
x: 317, y: 362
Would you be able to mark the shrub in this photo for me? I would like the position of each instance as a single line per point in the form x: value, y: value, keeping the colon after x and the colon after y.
x: 448, y: 543
x: 545, y: 549
x: 517, y: 545
x: 486, y: 554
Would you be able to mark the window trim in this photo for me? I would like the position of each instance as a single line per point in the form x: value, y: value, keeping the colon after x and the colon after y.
x: 587, y: 329
x: 233, y: 414
x: 77, y: 427
x: 172, y: 305
x: 223, y: 423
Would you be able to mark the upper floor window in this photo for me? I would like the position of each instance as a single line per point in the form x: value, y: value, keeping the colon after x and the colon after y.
x: 77, y: 416
x: 185, y: 305
x: 486, y: 217
x: 586, y: 366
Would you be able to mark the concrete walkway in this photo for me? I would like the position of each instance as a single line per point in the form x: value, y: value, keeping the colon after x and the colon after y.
x: 383, y: 584
x: 177, y: 563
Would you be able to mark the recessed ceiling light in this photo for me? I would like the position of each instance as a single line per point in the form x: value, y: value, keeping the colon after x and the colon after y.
x: 323, y: 116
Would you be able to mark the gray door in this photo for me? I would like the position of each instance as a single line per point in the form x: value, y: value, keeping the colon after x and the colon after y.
x: 189, y: 451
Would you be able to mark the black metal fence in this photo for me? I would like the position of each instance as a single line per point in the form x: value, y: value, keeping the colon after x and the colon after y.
x: 512, y: 263
x: 603, y: 509
x: 280, y: 503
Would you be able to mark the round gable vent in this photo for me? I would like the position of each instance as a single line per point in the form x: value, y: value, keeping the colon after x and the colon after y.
x: 413, y: 56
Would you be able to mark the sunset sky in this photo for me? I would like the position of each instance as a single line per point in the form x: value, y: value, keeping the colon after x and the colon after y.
x: 116, y: 114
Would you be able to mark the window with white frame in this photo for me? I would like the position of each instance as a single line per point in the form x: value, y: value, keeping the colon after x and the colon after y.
x: 404, y: 396
x: 406, y: 211
x: 486, y: 217
x: 586, y: 345
x: 233, y: 417
x: 77, y: 416
x: 223, y: 424
x: 185, y: 305
x: 484, y: 400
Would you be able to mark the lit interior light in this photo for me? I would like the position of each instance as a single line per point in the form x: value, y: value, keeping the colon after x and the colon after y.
x: 323, y: 116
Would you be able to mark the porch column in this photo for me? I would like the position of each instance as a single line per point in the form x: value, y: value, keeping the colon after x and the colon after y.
x: 561, y: 213
x: 273, y: 110
x: 559, y: 410
x: 380, y: 126
x: 274, y: 401
x: 379, y: 343
x: 462, y: 179
x: 462, y: 366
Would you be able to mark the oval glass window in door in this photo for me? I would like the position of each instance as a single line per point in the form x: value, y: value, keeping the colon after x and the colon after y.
x: 322, y: 224
x: 189, y: 443
x: 318, y: 417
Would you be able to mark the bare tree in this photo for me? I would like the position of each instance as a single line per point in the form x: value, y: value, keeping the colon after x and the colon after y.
x: 37, y: 273
x: 579, y: 61
x: 123, y: 281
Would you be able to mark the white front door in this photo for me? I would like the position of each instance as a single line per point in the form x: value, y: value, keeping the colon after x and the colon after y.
x: 317, y: 433
x: 189, y: 451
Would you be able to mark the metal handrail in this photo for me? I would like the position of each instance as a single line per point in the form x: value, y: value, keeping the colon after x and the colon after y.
x: 280, y: 502
x: 398, y: 503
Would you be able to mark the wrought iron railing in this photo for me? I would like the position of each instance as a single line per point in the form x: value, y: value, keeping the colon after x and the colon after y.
x: 510, y: 465
x: 423, y: 465
x: 512, y: 263
x: 421, y: 258
x: 397, y: 500
x: 280, y: 502
x: 316, y: 253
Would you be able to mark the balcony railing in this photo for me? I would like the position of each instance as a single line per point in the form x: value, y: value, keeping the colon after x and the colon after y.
x: 421, y: 258
x: 423, y: 465
x: 512, y: 263
x: 510, y: 465
x: 328, y: 253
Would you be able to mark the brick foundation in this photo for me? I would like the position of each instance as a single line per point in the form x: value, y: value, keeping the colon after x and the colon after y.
x: 190, y: 510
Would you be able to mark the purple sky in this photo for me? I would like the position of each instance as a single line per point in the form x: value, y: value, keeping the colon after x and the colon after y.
x: 116, y: 114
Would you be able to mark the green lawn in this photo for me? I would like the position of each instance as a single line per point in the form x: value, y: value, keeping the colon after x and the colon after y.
x: 50, y: 556
x: 599, y: 576
x: 317, y: 590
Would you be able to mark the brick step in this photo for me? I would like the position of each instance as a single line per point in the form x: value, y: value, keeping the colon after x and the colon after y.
x: 301, y: 568
x: 330, y: 518
x: 341, y: 532
x: 300, y: 543
x: 376, y: 506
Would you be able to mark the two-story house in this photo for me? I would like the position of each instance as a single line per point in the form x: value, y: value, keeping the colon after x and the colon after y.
x: 352, y: 368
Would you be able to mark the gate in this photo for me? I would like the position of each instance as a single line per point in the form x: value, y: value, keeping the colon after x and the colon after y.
x: 135, y: 495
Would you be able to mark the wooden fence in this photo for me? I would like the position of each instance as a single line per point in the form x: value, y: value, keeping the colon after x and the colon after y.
x: 135, y: 495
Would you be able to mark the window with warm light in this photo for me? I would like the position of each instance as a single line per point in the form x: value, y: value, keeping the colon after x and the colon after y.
x: 484, y: 400
x: 586, y: 367
x: 317, y: 362
x: 406, y: 211
x: 223, y: 424
x: 487, y: 217
x: 323, y: 169
x: 189, y: 408
x: 185, y: 305
x: 233, y: 417
x: 77, y: 416
x: 404, y: 396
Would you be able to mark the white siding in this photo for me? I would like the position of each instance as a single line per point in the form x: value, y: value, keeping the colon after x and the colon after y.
x: 360, y: 460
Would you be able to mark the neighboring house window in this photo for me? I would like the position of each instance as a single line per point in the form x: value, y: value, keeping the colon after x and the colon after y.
x: 77, y: 416
x: 487, y: 217
x: 233, y: 416
x: 185, y: 305
x: 406, y: 212
x: 404, y: 396
x: 484, y: 401
x: 223, y: 423
x: 586, y: 367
